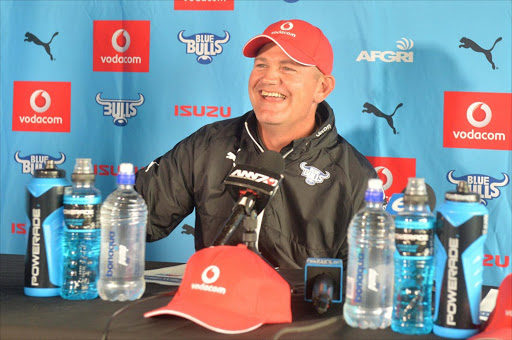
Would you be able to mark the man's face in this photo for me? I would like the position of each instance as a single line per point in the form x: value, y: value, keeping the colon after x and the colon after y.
x: 282, y: 92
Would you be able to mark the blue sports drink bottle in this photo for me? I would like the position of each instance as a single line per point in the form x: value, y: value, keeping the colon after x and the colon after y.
x: 43, y: 260
x: 459, y: 244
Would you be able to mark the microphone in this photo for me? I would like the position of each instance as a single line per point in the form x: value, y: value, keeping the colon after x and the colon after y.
x: 252, y: 186
x: 323, y: 282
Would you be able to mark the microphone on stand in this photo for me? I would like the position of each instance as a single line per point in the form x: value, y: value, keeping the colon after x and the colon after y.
x: 252, y: 186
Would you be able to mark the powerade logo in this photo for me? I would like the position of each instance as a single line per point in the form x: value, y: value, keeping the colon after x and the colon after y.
x: 391, y: 56
x: 36, y: 246
x: 41, y: 106
x: 111, y: 252
x: 359, y: 277
x: 120, y: 109
x: 453, y: 259
x: 477, y: 120
x: 204, y: 45
x: 36, y: 161
x: 121, y: 46
x: 488, y: 187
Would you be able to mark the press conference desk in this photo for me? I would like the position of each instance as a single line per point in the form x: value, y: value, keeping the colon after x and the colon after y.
x: 24, y: 317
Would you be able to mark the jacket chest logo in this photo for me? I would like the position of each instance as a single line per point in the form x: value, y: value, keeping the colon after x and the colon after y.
x: 312, y: 174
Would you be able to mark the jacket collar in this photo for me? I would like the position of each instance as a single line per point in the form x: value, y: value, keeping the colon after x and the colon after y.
x: 323, y: 136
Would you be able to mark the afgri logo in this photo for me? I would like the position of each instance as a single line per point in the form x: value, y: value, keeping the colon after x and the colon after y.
x: 121, y: 46
x: 204, y: 45
x: 41, y: 106
x: 488, y: 187
x: 477, y: 120
x: 406, y: 56
x: 394, y: 172
x: 204, y: 5
x: 33, y: 162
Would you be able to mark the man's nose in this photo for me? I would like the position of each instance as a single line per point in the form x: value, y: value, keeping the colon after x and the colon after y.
x: 271, y: 76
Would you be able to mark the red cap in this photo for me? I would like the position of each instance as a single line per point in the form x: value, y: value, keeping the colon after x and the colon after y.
x: 499, y: 325
x: 301, y: 41
x: 231, y: 290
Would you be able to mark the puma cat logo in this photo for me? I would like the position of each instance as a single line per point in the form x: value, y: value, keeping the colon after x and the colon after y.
x: 188, y: 230
x: 32, y: 38
x: 468, y: 43
x: 370, y: 108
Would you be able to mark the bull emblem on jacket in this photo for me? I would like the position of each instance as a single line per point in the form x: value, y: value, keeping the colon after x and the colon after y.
x: 312, y: 174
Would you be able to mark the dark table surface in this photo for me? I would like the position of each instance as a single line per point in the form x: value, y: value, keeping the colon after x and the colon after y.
x: 25, y: 317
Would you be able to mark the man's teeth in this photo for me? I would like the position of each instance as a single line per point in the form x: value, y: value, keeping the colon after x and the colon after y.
x: 272, y: 94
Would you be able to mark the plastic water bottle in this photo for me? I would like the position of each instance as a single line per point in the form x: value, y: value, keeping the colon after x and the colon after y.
x: 414, y: 262
x: 123, y: 240
x: 371, y: 241
x: 81, y: 241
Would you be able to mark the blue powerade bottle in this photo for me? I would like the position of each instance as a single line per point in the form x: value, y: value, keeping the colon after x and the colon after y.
x: 43, y: 260
x: 459, y: 245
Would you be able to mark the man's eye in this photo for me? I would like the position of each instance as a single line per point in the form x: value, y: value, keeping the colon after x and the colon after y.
x: 260, y: 65
x: 288, y: 69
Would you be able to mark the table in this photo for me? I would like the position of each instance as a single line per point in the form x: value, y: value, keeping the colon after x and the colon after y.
x: 25, y: 317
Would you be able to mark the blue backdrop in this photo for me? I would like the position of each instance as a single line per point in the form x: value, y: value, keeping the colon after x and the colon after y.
x: 124, y: 81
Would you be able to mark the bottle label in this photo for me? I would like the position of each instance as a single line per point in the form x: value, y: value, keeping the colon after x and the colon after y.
x: 82, y: 216
x: 414, y: 242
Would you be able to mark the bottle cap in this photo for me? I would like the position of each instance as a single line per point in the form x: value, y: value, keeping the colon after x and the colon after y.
x: 463, y: 194
x: 83, y: 171
x: 126, y: 175
x: 50, y: 171
x: 374, y: 193
x: 416, y: 191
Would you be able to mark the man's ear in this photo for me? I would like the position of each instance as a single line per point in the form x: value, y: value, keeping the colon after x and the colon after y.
x: 325, y: 86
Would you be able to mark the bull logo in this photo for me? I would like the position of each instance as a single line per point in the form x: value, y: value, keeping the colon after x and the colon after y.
x: 312, y: 174
x: 486, y: 186
x: 36, y: 161
x: 120, y: 109
x: 204, y: 45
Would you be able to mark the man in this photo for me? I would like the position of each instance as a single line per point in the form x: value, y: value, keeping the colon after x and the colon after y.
x: 324, y: 178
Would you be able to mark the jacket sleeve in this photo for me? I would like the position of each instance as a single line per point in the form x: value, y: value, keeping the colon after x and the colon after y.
x: 166, y: 186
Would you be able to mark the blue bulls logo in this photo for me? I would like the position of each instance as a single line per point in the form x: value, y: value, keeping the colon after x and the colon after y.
x: 204, y: 45
x: 486, y: 186
x: 312, y: 174
x: 120, y: 109
x: 36, y: 161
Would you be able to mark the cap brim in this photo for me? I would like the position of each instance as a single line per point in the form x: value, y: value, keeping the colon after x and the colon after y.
x: 252, y: 47
x: 214, y: 318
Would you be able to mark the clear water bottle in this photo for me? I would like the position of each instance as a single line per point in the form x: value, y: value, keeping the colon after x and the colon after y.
x: 371, y: 241
x: 81, y: 239
x: 414, y: 262
x: 123, y: 240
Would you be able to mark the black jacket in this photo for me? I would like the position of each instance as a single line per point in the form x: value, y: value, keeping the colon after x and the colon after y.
x: 323, y: 187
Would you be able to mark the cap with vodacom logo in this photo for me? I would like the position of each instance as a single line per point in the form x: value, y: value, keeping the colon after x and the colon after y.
x: 302, y: 42
x: 230, y: 290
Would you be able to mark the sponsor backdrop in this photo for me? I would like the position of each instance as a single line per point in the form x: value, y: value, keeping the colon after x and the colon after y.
x: 423, y: 88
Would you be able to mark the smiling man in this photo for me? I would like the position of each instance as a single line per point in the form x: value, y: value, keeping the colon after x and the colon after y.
x: 324, y: 179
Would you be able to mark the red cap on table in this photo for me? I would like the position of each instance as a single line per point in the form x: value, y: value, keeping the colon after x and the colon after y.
x: 231, y: 290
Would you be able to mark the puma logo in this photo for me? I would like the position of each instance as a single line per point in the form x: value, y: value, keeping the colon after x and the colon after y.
x: 32, y: 38
x: 370, y: 108
x: 188, y: 230
x: 468, y: 43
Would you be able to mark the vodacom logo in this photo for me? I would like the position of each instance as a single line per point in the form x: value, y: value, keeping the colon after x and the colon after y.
x: 388, y: 181
x: 287, y: 26
x: 215, y: 272
x: 120, y: 40
x: 40, y: 101
x: 471, y: 111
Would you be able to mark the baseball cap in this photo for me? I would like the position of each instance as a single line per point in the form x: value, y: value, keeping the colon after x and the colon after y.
x: 499, y: 324
x: 301, y: 41
x: 230, y: 290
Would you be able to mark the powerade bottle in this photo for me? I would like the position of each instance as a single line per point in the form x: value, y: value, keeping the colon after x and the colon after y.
x: 43, y: 260
x: 371, y: 241
x: 414, y: 262
x: 81, y: 246
x: 123, y: 240
x: 459, y: 249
